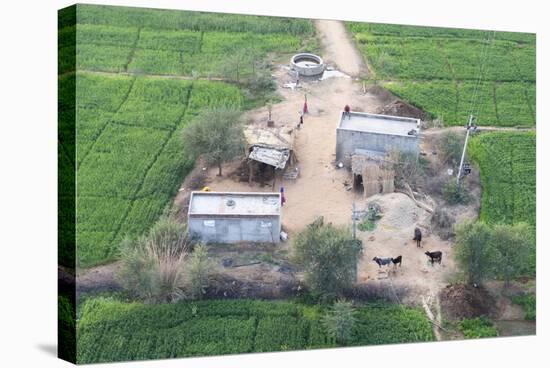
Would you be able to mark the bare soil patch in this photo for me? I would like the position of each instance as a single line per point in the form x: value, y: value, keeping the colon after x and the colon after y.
x: 459, y: 301
x: 401, y: 108
x: 98, y: 279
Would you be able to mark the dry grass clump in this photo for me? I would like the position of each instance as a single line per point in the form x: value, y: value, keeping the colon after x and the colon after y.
x: 153, y: 265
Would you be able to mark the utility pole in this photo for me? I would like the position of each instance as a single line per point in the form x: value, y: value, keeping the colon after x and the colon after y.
x: 353, y: 219
x: 468, y: 128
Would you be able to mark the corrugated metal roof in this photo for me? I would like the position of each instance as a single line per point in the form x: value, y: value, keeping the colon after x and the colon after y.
x: 272, y: 137
x: 270, y: 156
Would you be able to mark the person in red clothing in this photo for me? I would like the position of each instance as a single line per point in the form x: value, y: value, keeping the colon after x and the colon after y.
x: 347, y: 111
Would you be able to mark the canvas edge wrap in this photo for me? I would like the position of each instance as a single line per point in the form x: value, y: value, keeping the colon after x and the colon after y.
x: 66, y: 318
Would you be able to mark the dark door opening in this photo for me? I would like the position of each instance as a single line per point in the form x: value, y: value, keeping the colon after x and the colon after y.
x: 358, y: 183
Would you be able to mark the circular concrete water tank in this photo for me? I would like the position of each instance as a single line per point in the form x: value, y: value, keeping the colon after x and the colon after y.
x: 307, y: 64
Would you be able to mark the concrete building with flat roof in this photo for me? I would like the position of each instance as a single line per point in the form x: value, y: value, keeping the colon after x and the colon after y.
x: 233, y: 217
x: 358, y: 131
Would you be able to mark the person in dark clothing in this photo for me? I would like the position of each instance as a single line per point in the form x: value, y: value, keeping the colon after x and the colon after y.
x: 301, y: 119
x: 347, y: 110
x: 418, y: 237
x: 283, y: 199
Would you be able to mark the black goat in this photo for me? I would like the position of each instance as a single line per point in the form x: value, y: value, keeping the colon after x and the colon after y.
x: 382, y: 261
x: 435, y: 256
x: 418, y: 237
x: 397, y: 260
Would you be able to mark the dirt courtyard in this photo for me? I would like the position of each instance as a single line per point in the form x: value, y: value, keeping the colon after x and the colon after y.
x: 321, y: 188
x: 393, y: 236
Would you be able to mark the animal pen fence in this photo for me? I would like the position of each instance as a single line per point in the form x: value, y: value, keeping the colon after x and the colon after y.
x: 372, y: 173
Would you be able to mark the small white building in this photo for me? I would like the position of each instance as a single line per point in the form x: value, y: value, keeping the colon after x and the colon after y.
x: 233, y: 217
x: 375, y: 133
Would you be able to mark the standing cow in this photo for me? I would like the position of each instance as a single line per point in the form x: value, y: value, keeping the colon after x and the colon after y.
x: 418, y: 237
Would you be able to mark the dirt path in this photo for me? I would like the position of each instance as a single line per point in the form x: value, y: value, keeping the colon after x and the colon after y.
x: 339, y: 48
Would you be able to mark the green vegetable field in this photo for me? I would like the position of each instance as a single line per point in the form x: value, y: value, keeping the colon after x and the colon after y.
x: 437, y: 69
x: 109, y: 330
x: 169, y: 42
x: 136, y: 87
x: 507, y: 167
x: 130, y: 153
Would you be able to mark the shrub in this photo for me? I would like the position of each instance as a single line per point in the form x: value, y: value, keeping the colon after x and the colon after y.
x: 339, y: 321
x: 529, y: 304
x: 199, y: 270
x: 477, y: 328
x: 454, y: 193
x: 513, y: 244
x: 474, y: 251
x: 451, y: 145
x: 443, y: 222
x: 153, y: 265
x: 408, y: 168
x: 369, y: 222
x: 329, y: 255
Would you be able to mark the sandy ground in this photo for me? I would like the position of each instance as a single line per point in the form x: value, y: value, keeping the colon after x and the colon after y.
x: 338, y: 48
x: 392, y: 237
x: 320, y: 190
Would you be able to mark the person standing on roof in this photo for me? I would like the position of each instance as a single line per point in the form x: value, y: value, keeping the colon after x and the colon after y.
x: 347, y: 110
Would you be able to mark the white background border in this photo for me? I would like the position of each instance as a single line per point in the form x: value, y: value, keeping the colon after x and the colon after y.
x: 28, y: 146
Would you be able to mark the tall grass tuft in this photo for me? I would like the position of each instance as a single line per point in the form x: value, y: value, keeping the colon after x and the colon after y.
x: 153, y: 265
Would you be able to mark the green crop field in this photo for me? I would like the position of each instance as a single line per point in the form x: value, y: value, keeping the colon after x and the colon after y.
x: 136, y: 87
x: 437, y: 69
x: 169, y: 42
x: 507, y: 164
x: 130, y: 152
x: 110, y: 330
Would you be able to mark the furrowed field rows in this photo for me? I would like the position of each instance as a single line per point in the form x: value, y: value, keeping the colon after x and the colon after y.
x: 430, y: 58
x: 195, y: 21
x: 437, y: 69
x: 108, y: 327
x: 507, y: 167
x: 502, y: 104
x: 167, y: 52
x: 397, y: 30
x: 130, y: 153
x: 173, y: 43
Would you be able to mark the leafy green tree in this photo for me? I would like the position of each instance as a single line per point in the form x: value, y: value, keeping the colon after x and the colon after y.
x: 339, y: 321
x: 329, y: 255
x: 237, y: 64
x: 474, y: 251
x: 513, y: 243
x: 216, y: 135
